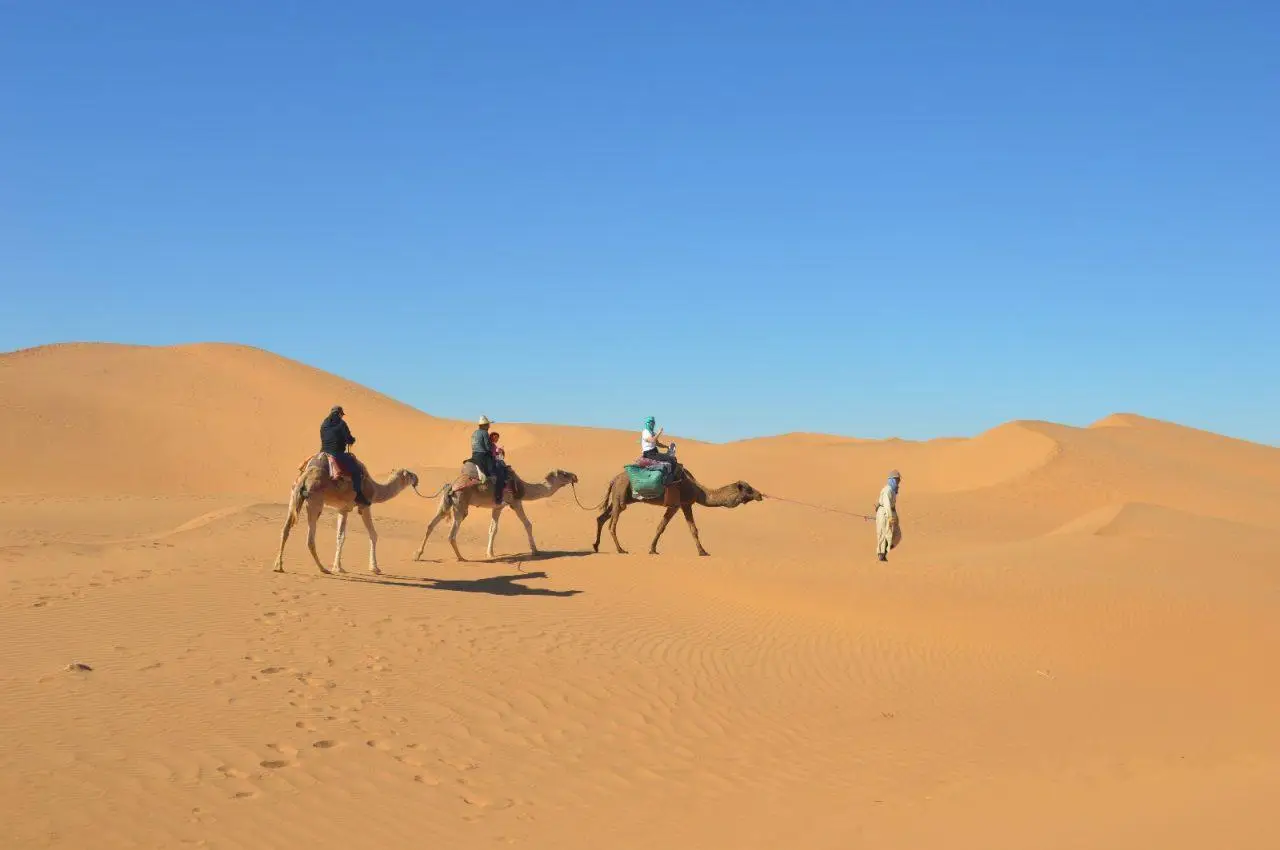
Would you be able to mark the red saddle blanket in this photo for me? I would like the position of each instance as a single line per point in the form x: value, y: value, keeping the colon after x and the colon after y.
x: 335, y: 468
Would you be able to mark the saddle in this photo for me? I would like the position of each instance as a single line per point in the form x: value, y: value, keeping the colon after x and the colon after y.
x: 470, y: 477
x: 335, y: 468
x: 652, y: 480
x: 672, y: 472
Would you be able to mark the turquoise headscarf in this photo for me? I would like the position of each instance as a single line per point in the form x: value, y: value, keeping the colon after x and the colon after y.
x: 649, y: 423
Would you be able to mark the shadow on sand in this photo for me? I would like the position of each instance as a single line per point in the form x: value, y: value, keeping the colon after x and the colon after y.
x: 541, y: 556
x: 493, y: 585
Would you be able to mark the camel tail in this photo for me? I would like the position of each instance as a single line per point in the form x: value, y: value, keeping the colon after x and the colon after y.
x: 296, y: 498
x: 447, y: 502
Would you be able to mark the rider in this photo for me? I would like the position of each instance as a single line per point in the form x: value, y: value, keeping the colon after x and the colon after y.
x: 483, y: 457
x: 650, y: 445
x: 335, y: 437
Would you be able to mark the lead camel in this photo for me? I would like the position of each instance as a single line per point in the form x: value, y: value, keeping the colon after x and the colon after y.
x: 679, y: 497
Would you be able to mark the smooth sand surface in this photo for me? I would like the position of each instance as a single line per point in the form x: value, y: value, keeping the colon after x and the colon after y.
x: 1075, y: 646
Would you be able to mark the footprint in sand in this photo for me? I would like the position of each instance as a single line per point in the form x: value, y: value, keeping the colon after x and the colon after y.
x: 480, y: 802
x: 268, y: 671
x: 315, y: 682
x: 461, y: 763
x: 381, y: 746
x: 326, y: 744
x: 244, y: 795
x: 275, y: 764
x: 231, y: 772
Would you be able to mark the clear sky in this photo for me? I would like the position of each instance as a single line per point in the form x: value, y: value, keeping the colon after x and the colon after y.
x: 876, y: 219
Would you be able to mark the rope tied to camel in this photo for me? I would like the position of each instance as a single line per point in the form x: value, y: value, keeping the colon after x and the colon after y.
x: 819, y: 507
x: 574, y: 488
x: 433, y: 495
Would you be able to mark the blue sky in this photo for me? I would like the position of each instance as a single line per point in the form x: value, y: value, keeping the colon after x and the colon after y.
x: 900, y: 219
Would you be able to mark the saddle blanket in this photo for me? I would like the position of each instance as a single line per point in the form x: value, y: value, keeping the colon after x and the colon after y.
x: 335, y: 469
x: 469, y: 479
x: 648, y: 482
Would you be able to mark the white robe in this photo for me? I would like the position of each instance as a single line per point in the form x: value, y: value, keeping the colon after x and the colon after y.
x: 888, y: 529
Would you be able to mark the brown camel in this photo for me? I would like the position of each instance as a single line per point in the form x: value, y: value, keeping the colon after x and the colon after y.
x: 315, y: 488
x: 460, y: 502
x: 681, y: 496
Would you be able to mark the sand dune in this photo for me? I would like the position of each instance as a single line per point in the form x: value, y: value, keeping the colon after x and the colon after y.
x: 1138, y: 519
x: 1070, y: 649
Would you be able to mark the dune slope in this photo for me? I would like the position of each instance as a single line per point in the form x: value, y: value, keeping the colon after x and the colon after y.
x: 1069, y: 649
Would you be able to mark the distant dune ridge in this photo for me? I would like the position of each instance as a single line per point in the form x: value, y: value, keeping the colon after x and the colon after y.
x: 1071, y: 647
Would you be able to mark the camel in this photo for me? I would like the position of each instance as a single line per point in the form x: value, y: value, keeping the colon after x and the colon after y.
x: 459, y: 502
x: 316, y: 488
x: 681, y: 496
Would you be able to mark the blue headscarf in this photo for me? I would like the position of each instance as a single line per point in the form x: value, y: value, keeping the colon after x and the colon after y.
x: 649, y: 423
x: 893, y: 485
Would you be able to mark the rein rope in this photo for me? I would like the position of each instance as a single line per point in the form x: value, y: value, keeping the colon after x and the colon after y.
x: 819, y: 507
x: 574, y: 488
x: 433, y: 495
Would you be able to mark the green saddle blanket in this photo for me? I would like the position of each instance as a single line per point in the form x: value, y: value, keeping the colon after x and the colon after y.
x: 646, y: 482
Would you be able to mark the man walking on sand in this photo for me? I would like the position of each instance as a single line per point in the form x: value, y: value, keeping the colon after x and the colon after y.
x: 888, y: 531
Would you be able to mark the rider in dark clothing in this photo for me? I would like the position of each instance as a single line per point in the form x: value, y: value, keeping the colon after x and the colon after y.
x: 335, y: 437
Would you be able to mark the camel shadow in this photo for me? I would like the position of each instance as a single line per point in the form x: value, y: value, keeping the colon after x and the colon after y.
x: 492, y: 585
x: 540, y: 556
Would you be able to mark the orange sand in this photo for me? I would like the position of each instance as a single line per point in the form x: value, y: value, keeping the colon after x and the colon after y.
x: 1074, y: 646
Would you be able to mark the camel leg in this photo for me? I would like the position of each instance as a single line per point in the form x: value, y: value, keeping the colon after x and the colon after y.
x: 493, y: 529
x: 518, y: 507
x: 662, y: 526
x: 366, y: 514
x: 284, y: 537
x: 613, y: 529
x: 342, y: 538
x: 431, y: 526
x: 693, y: 528
x: 459, y: 514
x: 314, y: 508
x: 600, y: 521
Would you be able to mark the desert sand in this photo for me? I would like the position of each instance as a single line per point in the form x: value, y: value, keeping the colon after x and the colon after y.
x: 1074, y: 647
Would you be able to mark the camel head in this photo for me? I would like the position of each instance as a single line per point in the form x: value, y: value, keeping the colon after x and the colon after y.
x: 560, y: 477
x: 405, y: 476
x: 747, y: 493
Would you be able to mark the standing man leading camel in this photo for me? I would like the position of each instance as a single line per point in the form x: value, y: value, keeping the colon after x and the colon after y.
x: 335, y: 437
x: 888, y: 531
